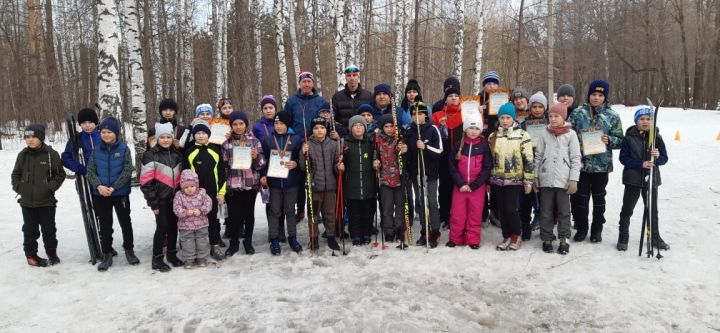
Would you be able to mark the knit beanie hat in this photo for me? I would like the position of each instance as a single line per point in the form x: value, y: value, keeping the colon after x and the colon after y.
x: 163, y: 128
x: 601, y: 87
x: 357, y: 120
x: 112, y: 124
x: 412, y: 85
x: 560, y: 109
x: 519, y: 92
x: 452, y: 90
x: 383, y: 88
x: 473, y: 120
x: 365, y: 108
x: 268, y: 99
x: 507, y: 109
x: 566, y: 90
x: 539, y: 97
x: 491, y: 76
x: 235, y: 115
x: 324, y: 107
x: 319, y: 121
x: 420, y: 107
x: 306, y: 75
x: 35, y: 130
x: 187, y: 178
x: 284, y: 117
x: 203, y: 108
x: 87, y: 114
x: 167, y: 103
x: 451, y: 82
x: 384, y: 120
x: 201, y: 126
x: 642, y: 111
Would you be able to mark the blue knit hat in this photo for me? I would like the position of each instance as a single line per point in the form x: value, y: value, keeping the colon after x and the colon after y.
x: 507, y: 109
x: 643, y: 111
x: 601, y: 87
x: 491, y: 76
x: 203, y: 108
x: 112, y: 124
x: 235, y: 115
x: 268, y: 99
x: 365, y: 108
x: 383, y: 88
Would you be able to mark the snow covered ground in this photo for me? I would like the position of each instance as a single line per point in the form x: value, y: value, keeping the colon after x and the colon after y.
x: 594, y: 288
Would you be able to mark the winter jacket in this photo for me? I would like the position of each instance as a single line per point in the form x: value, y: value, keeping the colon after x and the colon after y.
x: 242, y: 179
x: 37, y: 174
x: 633, y: 153
x: 323, y: 164
x: 160, y: 175
x: 207, y: 162
x: 532, y: 121
x: 403, y: 117
x: 300, y: 105
x: 605, y: 118
x: 430, y: 136
x: 512, y: 157
x: 557, y: 159
x: 473, y: 167
x: 345, y: 104
x: 293, y: 148
x: 387, y: 153
x: 453, y: 125
x: 88, y: 141
x: 183, y: 202
x: 263, y: 128
x: 359, y: 174
x: 111, y: 166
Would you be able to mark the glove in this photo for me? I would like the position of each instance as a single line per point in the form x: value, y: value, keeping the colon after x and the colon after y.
x: 571, y: 187
x: 82, y: 170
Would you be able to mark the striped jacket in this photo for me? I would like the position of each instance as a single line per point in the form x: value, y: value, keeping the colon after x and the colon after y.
x: 160, y: 175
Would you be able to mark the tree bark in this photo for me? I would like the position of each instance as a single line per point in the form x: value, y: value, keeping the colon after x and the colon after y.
x: 459, y: 39
x: 477, y: 75
x: 109, y: 99
x: 280, y: 45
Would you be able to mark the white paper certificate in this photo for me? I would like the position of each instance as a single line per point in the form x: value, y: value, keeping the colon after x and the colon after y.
x: 276, y: 166
x: 217, y: 135
x: 496, y: 100
x: 470, y: 106
x: 536, y: 133
x: 592, y: 142
x: 242, y: 157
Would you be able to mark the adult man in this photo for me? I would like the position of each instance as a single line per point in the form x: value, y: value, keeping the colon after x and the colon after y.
x: 346, y: 102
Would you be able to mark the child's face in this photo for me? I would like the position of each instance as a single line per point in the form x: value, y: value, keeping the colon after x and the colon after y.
x: 108, y: 136
x: 325, y: 115
x: 358, y: 131
x: 597, y: 99
x: 453, y: 99
x: 280, y: 127
x: 165, y: 140
x: 537, y: 110
x: 473, y: 132
x: 382, y: 100
x: 168, y: 113
x: 319, y: 131
x: 239, y: 127
x: 368, y: 117
x: 567, y: 99
x: 32, y: 142
x: 556, y: 120
x: 505, y: 121
x: 643, y: 123
x: 389, y: 129
x: 418, y: 117
x: 201, y: 137
x: 190, y: 189
x: 411, y: 95
x: 226, y: 109
x: 268, y: 111
x: 491, y: 87
x: 520, y: 103
x: 88, y: 126
x: 206, y: 116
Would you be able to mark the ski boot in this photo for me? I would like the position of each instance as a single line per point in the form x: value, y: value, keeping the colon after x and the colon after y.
x: 294, y: 244
x: 623, y: 236
x: 660, y: 244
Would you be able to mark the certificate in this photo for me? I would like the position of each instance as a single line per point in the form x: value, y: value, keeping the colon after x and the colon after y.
x: 217, y: 135
x: 242, y: 156
x: 592, y: 142
x: 276, y: 166
x: 496, y: 100
x: 470, y: 105
x: 536, y: 133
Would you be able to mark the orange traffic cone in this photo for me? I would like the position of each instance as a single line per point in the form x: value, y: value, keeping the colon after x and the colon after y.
x: 677, y: 135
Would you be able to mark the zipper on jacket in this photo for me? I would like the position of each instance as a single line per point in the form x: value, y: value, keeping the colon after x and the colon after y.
x: 361, y: 170
x: 468, y: 163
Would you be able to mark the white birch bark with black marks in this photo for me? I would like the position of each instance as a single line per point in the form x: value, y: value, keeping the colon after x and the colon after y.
x: 407, y: 12
x: 458, y: 40
x: 131, y: 33
x: 316, y: 47
x: 280, y: 45
x: 220, y: 48
x: 398, y: 47
x: 186, y: 54
x: 156, y: 53
x: 340, y: 55
x: 293, y: 37
x: 255, y: 9
x: 108, y: 77
x: 477, y: 74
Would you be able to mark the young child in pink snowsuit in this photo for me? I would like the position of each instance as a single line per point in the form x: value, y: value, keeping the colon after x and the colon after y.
x: 191, y: 205
x: 470, y: 166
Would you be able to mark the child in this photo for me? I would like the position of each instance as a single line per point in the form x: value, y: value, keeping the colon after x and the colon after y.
x: 335, y: 129
x: 37, y: 174
x: 89, y: 139
x: 519, y: 98
x: 168, y: 114
x: 322, y: 154
x: 204, y: 112
x: 159, y: 179
x: 424, y: 138
x: 359, y: 183
x: 366, y: 111
x: 595, y: 115
x: 636, y: 157
x: 191, y: 206
x: 557, y: 171
x: 470, y: 170
x: 511, y: 173
x: 392, y: 186
x: 283, y: 191
x: 109, y: 172
x: 528, y: 202
x: 225, y: 108
x: 242, y: 184
x: 265, y: 126
x: 449, y: 121
x: 412, y: 96
x: 206, y: 160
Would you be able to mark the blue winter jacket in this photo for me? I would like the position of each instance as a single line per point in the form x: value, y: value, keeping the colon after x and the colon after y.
x: 402, y: 115
x: 111, y: 165
x: 263, y: 128
x: 300, y: 104
x: 294, y: 178
x: 88, y: 142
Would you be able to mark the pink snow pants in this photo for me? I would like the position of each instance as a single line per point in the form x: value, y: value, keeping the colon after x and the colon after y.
x: 466, y: 216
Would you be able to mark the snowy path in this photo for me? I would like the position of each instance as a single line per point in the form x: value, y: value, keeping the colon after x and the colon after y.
x: 594, y: 288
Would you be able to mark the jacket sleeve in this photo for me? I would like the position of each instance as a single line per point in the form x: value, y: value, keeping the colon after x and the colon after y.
x: 221, y: 178
x: 259, y: 162
x: 660, y: 145
x: 57, y: 173
x: 126, y: 173
x: 484, y: 176
x: 266, y: 153
x: 206, y: 204
x: 92, y: 173
x: 540, y: 154
x: 453, y: 168
x: 69, y: 162
x: 178, y: 207
x: 615, y: 134
x: 575, y: 157
x: 528, y: 158
x: 434, y: 145
x: 147, y: 180
x: 626, y: 156
x: 17, y: 172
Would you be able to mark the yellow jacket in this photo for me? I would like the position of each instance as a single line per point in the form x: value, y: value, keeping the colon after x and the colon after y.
x: 513, y: 159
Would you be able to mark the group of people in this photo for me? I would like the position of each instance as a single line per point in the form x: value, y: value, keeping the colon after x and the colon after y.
x: 434, y: 164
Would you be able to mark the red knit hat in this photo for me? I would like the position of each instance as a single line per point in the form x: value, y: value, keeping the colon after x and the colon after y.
x: 560, y: 109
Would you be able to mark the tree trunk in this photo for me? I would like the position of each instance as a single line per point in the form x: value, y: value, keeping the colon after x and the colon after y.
x: 551, y: 51
x: 108, y: 75
x: 316, y: 47
x: 257, y: 37
x: 339, y: 42
x: 459, y: 39
x: 51, y: 64
x: 187, y: 57
x: 477, y: 75
x: 416, y: 50
x: 399, y: 14
x: 280, y: 44
x: 519, y: 43
x: 293, y: 38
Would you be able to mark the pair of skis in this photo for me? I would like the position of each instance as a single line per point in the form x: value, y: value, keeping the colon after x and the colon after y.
x: 647, y: 225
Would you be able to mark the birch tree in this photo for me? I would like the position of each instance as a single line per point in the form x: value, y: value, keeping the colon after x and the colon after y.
x: 480, y: 6
x: 316, y: 46
x: 108, y: 76
x: 340, y: 55
x: 187, y: 87
x: 220, y: 8
x: 293, y: 38
x: 551, y: 50
x: 458, y: 41
x: 255, y: 9
x: 280, y: 43
x: 131, y: 28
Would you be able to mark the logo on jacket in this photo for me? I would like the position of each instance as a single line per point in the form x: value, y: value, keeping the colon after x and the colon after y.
x: 116, y: 155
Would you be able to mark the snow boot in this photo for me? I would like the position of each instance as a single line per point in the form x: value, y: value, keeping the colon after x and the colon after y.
x: 275, y: 247
x: 623, y: 237
x: 233, y: 248
x: 221, y: 243
x: 52, y: 256
x: 596, y: 237
x: 547, y: 247
x: 474, y: 246
x: 172, y: 258
x: 526, y: 232
x: 131, y: 258
x: 216, y: 253
x: 333, y: 244
x: 564, y: 247
x: 158, y: 264
x: 294, y: 244
x: 659, y: 243
x: 580, y: 236
x: 450, y: 244
x: 247, y: 244
x: 106, y: 262
x: 421, y: 241
x: 434, y: 236
x: 402, y: 246
x: 357, y: 241
x: 34, y: 260
x: 504, y: 245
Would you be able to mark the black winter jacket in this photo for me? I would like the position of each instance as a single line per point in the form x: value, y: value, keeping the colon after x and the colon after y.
x: 160, y: 175
x: 37, y: 174
x: 633, y: 153
x: 345, y: 106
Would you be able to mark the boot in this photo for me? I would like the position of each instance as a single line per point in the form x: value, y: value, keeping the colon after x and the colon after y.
x: 504, y: 245
x: 34, y: 260
x: 596, y: 237
x: 402, y: 245
x: 216, y: 253
x: 172, y: 258
x: 421, y: 241
x: 659, y: 243
x: 450, y: 244
x: 623, y: 236
x: 275, y: 247
x: 233, y: 248
x: 52, y: 256
x: 434, y: 235
x: 547, y: 247
x: 106, y: 262
x: 333, y: 244
x: 474, y: 246
x: 526, y: 232
x: 131, y: 258
x: 247, y: 244
x: 221, y: 243
x: 294, y: 244
x: 564, y: 247
x: 515, y: 243
x: 159, y: 265
x: 580, y: 236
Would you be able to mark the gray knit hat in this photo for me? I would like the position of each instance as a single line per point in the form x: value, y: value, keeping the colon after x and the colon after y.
x: 566, y: 90
x: 519, y: 92
x: 539, y: 97
x: 356, y: 120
